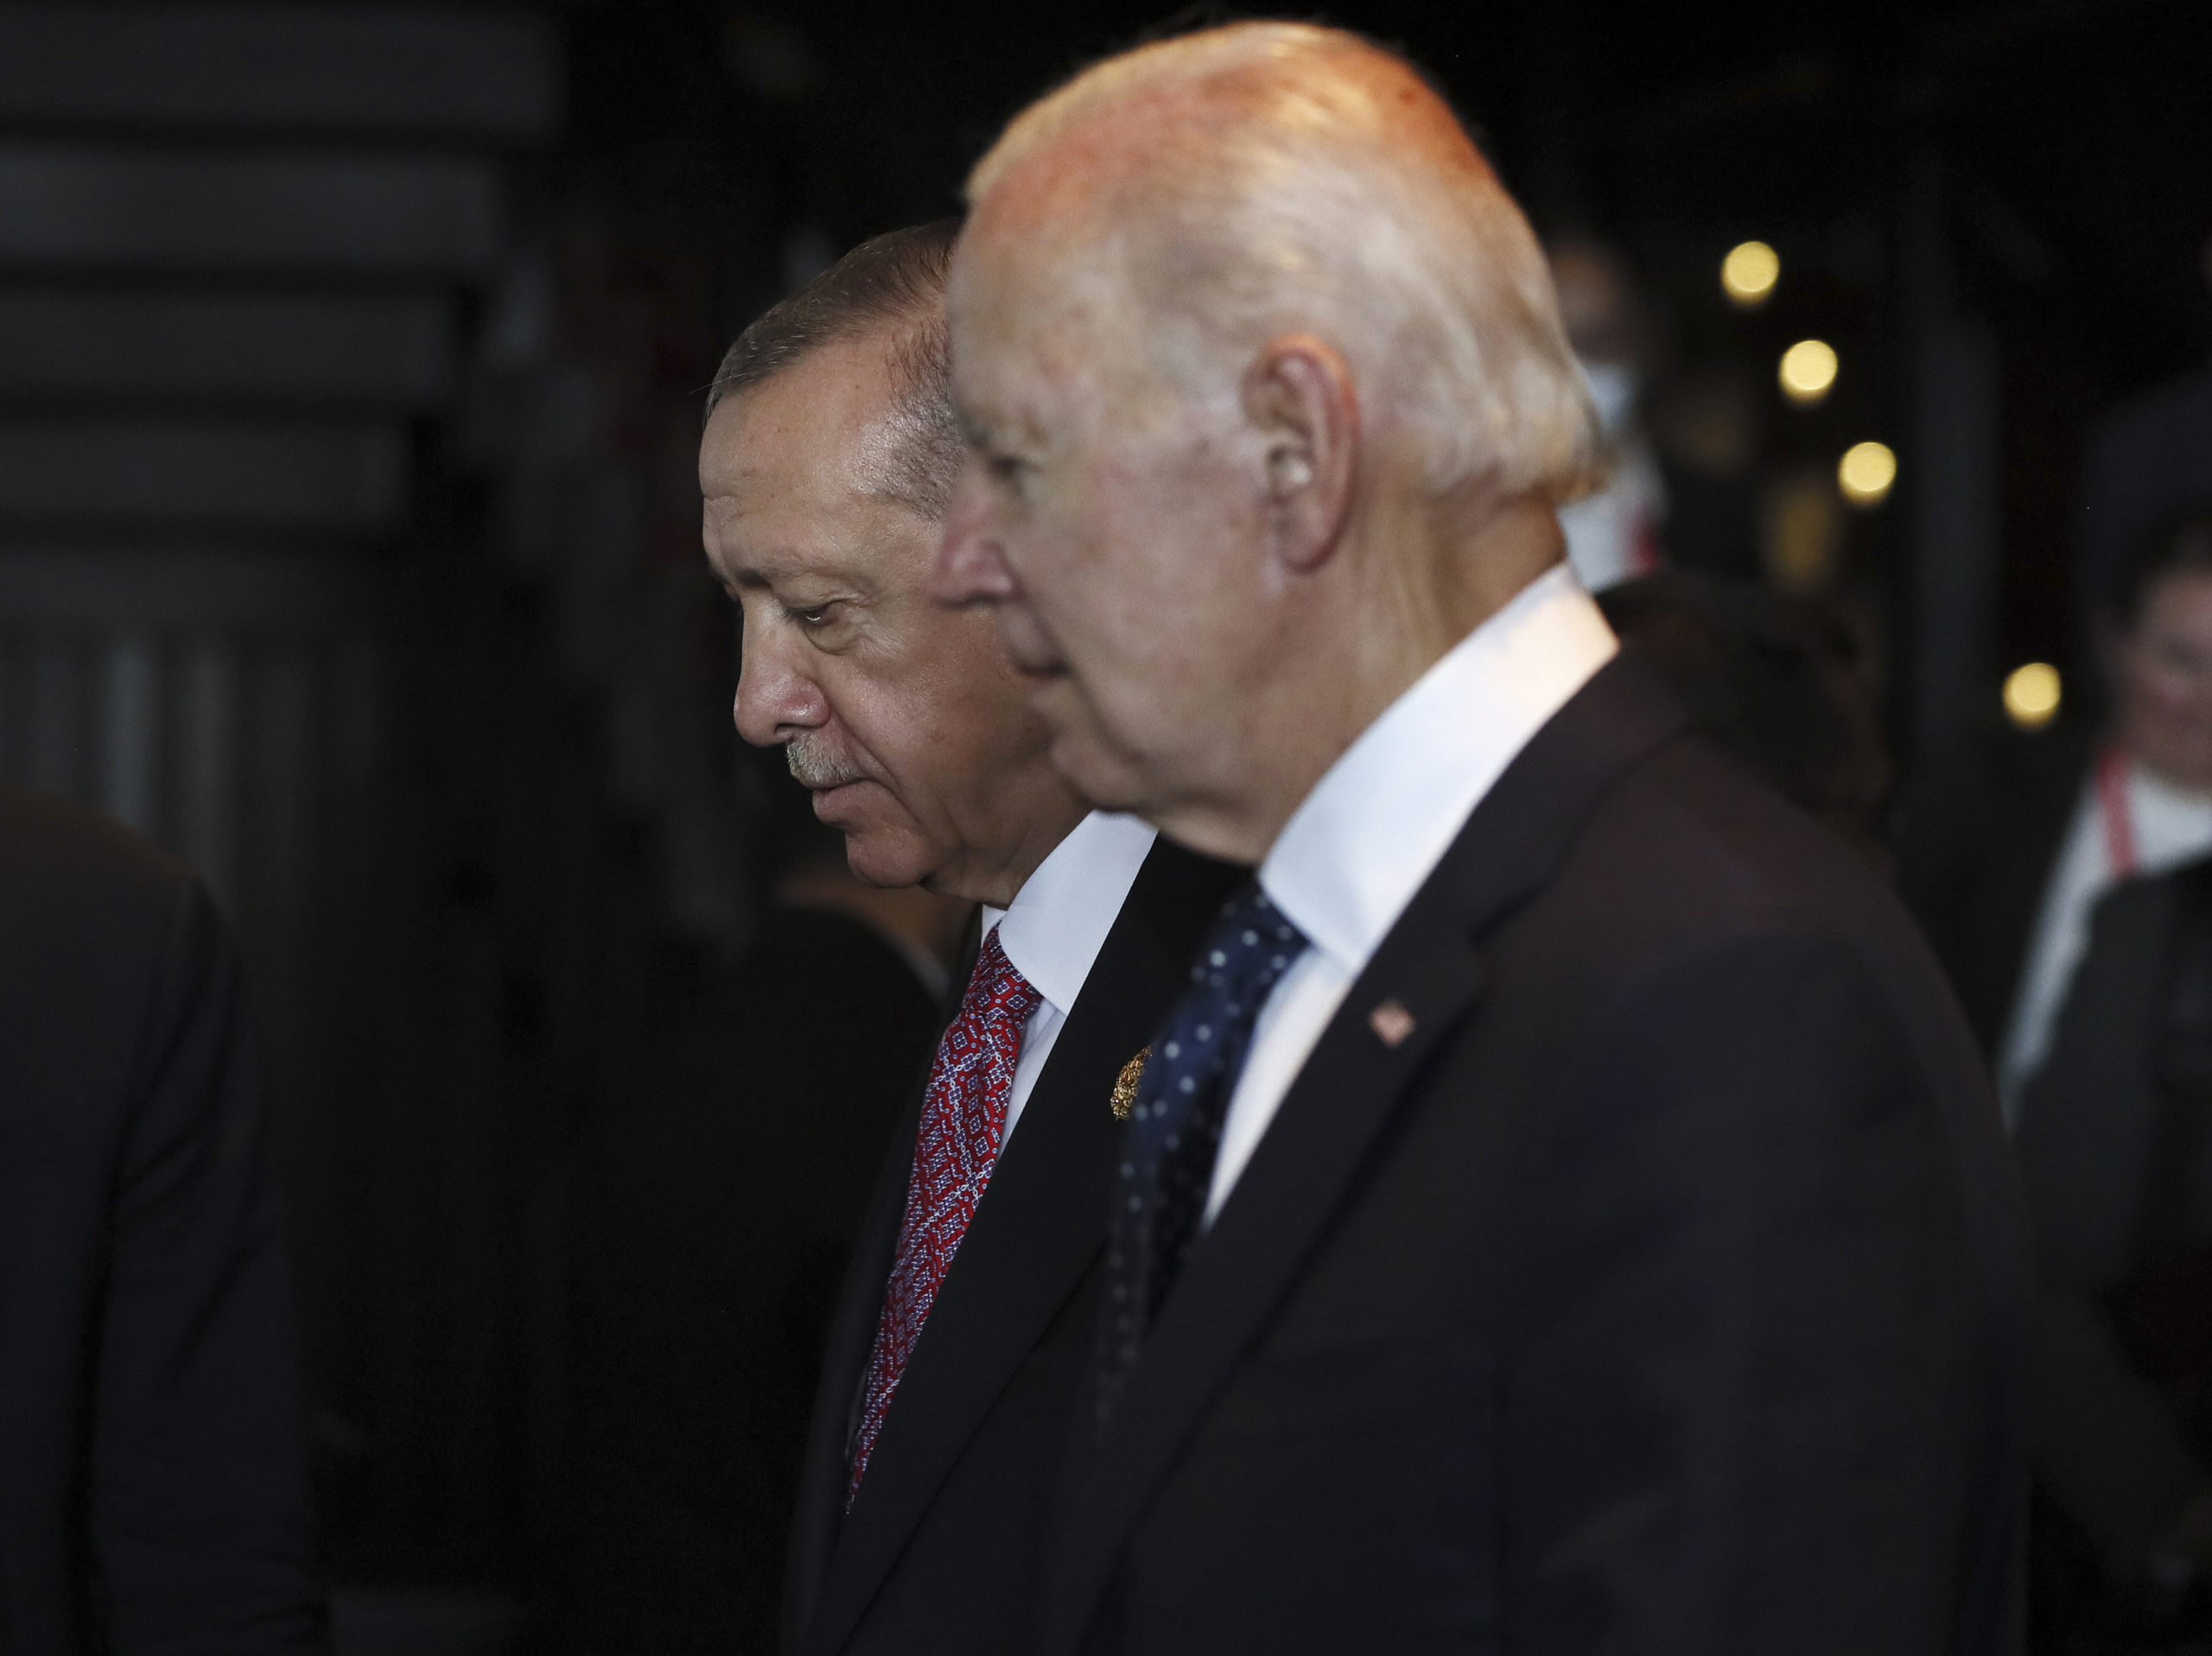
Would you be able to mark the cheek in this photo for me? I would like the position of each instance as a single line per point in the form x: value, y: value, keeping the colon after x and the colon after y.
x: 2172, y: 689
x: 954, y: 713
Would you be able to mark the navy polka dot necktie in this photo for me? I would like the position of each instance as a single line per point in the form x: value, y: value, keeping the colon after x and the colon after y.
x: 1175, y: 1124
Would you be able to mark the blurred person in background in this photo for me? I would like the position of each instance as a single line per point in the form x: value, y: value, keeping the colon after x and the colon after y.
x: 153, y: 1492
x: 744, y: 1135
x: 2115, y: 1136
x: 1612, y: 535
x: 1776, y: 682
x: 2150, y: 459
x: 966, y: 1320
x: 2006, y: 847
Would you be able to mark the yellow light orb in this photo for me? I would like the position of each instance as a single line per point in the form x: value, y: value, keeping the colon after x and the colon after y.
x: 2031, y: 695
x: 1865, y: 474
x: 1807, y: 371
x: 1748, y: 273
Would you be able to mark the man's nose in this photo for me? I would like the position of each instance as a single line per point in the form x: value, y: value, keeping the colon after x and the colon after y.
x: 971, y: 565
x: 775, y: 700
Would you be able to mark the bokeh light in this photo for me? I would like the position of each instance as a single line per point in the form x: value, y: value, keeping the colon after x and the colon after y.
x: 1807, y: 371
x: 2032, y: 692
x: 1748, y: 273
x: 1866, y: 472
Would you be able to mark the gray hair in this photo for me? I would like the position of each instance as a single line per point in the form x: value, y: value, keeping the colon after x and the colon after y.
x: 1272, y: 177
x: 893, y: 282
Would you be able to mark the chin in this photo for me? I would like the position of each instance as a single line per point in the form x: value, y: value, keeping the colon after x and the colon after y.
x: 884, y: 860
x: 883, y: 846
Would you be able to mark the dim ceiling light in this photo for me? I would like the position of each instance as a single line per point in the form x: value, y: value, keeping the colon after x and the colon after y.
x: 1748, y: 274
x: 1808, y: 370
x: 1865, y: 474
x: 2031, y: 695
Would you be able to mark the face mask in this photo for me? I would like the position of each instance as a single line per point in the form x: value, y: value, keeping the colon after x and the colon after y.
x: 1612, y: 388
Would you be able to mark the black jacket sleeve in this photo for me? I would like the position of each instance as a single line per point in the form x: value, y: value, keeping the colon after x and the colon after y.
x: 196, y: 1501
x: 1744, y: 1396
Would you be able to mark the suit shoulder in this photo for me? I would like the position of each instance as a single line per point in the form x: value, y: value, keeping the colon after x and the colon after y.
x: 1688, y: 851
x: 1704, y: 843
x: 86, y: 905
x: 64, y: 848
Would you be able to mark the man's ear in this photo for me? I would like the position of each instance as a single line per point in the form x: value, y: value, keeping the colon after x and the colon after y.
x: 1300, y: 397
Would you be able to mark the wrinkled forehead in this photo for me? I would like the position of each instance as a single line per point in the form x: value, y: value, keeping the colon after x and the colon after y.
x: 788, y: 501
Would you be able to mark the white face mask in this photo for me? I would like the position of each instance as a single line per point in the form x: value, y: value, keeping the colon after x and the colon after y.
x: 1612, y: 388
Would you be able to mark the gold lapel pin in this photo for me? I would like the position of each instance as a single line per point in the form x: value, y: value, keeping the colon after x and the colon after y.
x: 1124, y: 1095
x: 1391, y: 1022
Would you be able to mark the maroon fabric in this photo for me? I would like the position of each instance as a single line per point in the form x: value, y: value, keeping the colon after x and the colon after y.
x: 955, y: 1146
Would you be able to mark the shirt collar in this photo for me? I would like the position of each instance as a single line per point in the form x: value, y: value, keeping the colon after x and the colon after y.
x: 1060, y: 916
x: 1382, y: 817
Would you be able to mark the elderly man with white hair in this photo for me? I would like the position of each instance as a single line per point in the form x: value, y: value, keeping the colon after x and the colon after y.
x: 1565, y: 1212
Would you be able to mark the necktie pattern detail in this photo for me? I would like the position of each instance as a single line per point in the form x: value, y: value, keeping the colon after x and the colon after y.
x: 955, y: 1146
x: 1175, y: 1127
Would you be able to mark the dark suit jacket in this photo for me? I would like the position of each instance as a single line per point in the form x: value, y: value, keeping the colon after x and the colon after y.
x: 151, y: 1490
x: 1977, y: 839
x: 944, y: 1548
x: 2109, y: 1446
x: 1659, y: 1293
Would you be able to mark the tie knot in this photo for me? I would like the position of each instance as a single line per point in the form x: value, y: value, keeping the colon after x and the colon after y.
x: 996, y: 988
x: 1249, y: 947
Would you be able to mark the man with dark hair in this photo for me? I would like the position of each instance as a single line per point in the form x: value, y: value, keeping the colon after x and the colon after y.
x: 895, y: 283
x: 2006, y: 849
x: 152, y: 1494
x: 965, y: 1322
x: 1775, y: 681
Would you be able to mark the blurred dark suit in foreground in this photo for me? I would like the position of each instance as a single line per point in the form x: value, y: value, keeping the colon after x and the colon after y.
x: 152, y: 1496
x: 740, y: 1151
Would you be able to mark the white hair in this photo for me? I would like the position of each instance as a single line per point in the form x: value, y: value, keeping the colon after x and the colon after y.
x: 1264, y: 178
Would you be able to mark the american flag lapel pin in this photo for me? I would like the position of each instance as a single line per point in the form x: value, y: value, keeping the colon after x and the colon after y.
x: 1391, y: 1022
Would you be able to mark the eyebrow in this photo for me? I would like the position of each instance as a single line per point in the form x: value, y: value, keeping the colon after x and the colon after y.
x: 767, y: 573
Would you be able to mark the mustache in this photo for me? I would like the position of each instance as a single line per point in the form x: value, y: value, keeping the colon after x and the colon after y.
x: 816, y: 764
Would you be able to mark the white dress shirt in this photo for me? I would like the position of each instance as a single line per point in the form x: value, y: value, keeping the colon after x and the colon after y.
x: 1057, y: 925
x: 1377, y: 823
x: 2169, y: 826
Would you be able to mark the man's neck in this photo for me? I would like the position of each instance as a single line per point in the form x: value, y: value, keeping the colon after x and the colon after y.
x: 1046, y: 818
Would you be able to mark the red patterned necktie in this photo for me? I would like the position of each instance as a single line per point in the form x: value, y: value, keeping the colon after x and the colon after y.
x: 955, y: 1146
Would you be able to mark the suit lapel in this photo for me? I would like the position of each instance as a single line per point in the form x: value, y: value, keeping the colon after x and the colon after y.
x: 1430, y: 965
x: 1040, y: 1224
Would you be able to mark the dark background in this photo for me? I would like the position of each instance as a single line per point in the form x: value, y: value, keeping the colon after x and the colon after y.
x: 351, y: 362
